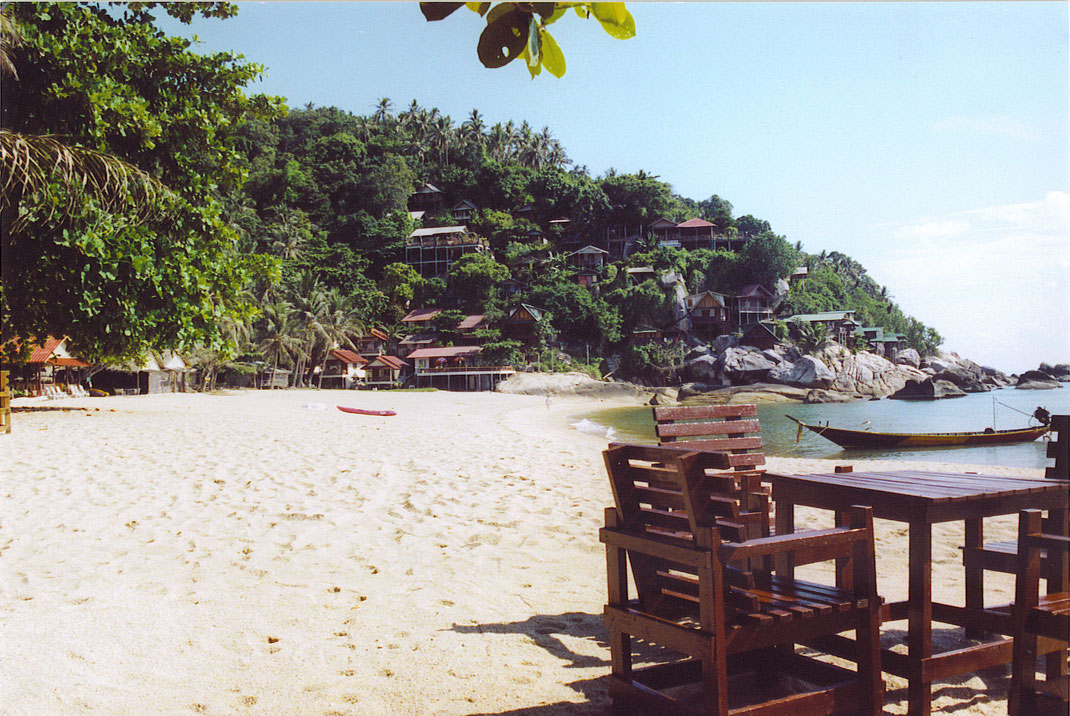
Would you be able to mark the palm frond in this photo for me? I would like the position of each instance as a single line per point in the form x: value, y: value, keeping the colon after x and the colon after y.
x: 32, y: 164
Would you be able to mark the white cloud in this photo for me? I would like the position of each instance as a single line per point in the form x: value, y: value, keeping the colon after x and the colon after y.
x: 994, y: 281
x: 997, y: 126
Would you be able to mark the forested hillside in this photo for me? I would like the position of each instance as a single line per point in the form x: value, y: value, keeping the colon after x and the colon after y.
x: 328, y: 195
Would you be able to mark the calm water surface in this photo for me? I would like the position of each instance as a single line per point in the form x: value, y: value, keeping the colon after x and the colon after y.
x: 973, y: 412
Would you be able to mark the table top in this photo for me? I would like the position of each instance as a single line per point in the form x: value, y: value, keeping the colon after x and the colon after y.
x: 938, y: 495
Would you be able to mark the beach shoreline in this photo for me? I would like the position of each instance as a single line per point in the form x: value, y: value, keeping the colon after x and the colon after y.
x: 247, y: 551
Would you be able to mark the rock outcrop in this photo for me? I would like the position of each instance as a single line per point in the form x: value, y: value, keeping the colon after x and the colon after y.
x: 570, y: 384
x: 1036, y: 380
x: 927, y: 389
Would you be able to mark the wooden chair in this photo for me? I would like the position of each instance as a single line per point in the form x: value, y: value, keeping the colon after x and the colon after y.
x: 710, y: 607
x: 1003, y: 556
x: 1035, y: 615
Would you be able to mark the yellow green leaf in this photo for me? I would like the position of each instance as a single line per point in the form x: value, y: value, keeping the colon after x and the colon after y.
x: 478, y: 7
x: 552, y: 57
x: 615, y: 19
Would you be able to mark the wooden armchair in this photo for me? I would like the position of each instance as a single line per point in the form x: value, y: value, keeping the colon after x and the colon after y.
x: 1035, y: 615
x: 710, y: 607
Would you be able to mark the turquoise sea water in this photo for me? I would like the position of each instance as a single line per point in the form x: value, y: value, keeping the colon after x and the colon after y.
x: 973, y: 412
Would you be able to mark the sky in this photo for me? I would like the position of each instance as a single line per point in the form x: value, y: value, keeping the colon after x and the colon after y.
x: 929, y: 141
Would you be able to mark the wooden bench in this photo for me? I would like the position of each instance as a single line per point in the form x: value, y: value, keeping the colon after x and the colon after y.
x: 708, y: 611
x: 1034, y: 615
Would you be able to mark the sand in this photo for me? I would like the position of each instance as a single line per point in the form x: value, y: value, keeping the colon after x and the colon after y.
x: 240, y: 553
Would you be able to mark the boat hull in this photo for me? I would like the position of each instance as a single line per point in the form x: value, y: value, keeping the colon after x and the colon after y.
x: 361, y: 411
x: 866, y: 439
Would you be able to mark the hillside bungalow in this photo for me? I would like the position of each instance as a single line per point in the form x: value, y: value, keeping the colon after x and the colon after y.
x: 754, y: 304
x: 512, y: 287
x: 520, y: 323
x: 589, y: 257
x: 427, y: 198
x: 840, y: 325
x: 384, y: 372
x: 759, y: 335
x: 49, y: 362
x: 464, y: 211
x: 456, y: 368
x: 343, y: 369
x: 708, y: 313
x: 432, y: 251
x: 371, y: 344
x: 423, y: 339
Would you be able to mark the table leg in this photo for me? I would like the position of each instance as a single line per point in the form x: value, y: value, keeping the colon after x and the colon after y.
x: 920, y: 616
x: 975, y: 573
x: 785, y: 524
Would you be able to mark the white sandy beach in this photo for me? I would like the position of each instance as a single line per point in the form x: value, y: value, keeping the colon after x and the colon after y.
x: 238, y: 553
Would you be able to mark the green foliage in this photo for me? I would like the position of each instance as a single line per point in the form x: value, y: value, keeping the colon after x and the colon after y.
x: 473, y: 276
x: 811, y: 338
x: 765, y: 259
x: 518, y: 30
x: 115, y: 281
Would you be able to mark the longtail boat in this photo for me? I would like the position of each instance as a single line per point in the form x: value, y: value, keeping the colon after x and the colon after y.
x: 870, y: 439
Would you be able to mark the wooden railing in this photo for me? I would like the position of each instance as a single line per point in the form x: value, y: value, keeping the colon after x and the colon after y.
x: 468, y: 369
x: 5, y: 404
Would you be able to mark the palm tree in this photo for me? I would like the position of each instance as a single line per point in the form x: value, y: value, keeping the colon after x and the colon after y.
x: 442, y: 136
x: 307, y: 297
x: 337, y: 325
x: 383, y: 110
x: 280, y: 334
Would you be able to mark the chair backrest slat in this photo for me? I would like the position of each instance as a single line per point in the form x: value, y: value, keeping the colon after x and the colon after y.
x: 733, y: 429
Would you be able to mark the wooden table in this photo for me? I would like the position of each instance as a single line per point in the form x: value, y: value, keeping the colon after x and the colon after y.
x: 922, y: 499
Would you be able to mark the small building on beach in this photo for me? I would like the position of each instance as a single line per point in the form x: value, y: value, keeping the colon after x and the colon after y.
x: 456, y: 368
x: 343, y: 369
x: 384, y: 372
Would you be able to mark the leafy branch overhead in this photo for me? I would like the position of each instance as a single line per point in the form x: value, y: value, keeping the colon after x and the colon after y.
x: 518, y: 29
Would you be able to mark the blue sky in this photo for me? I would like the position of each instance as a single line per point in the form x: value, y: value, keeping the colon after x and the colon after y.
x: 929, y: 141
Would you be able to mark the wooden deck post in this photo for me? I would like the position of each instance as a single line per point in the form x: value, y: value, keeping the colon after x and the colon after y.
x: 5, y: 404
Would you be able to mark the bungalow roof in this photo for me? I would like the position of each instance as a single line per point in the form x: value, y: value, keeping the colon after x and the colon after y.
x: 42, y: 352
x: 384, y: 361
x: 693, y: 224
x: 438, y: 231
x: 470, y: 322
x: 662, y: 223
x: 347, y: 356
x: 423, y: 338
x: 464, y: 204
x: 428, y: 189
x: 754, y: 288
x: 824, y: 316
x: 589, y: 250
x: 444, y: 352
x: 417, y: 315
x: 376, y: 333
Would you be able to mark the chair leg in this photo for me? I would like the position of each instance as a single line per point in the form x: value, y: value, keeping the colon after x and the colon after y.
x: 715, y: 682
x: 868, y: 661
x: 1023, y: 675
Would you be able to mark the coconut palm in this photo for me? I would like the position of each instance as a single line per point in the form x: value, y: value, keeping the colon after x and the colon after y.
x: 307, y: 297
x: 338, y: 324
x: 383, y: 110
x: 280, y: 338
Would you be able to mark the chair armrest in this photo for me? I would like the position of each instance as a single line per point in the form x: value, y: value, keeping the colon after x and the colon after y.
x: 833, y: 538
x: 689, y: 556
